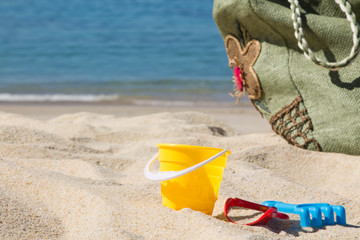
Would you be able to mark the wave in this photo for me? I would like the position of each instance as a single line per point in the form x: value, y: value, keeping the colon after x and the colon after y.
x: 7, y: 97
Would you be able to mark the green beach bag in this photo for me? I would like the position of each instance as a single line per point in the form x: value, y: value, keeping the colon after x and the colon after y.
x: 297, y: 62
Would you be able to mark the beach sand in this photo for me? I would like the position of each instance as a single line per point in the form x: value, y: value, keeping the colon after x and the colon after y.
x: 75, y: 171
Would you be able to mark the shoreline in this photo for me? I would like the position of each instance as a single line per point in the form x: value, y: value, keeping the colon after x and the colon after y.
x: 242, y: 117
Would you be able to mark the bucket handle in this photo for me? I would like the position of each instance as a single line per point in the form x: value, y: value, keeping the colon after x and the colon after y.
x: 167, y: 175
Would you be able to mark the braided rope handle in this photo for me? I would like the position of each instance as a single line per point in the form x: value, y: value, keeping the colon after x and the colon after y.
x: 303, y: 45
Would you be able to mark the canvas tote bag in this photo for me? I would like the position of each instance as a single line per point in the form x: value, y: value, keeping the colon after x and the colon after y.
x: 298, y: 64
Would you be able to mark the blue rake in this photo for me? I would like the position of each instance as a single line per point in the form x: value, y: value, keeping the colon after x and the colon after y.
x: 315, y: 209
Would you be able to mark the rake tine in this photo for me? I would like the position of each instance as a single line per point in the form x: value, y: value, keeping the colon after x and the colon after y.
x: 304, y: 213
x: 340, y: 214
x: 328, y: 214
x: 316, y: 217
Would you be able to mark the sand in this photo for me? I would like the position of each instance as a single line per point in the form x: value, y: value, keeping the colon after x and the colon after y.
x: 76, y: 172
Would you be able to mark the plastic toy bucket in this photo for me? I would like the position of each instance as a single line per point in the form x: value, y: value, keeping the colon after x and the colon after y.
x: 196, y: 189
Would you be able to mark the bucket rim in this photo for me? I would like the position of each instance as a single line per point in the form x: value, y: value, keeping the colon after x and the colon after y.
x: 174, y: 145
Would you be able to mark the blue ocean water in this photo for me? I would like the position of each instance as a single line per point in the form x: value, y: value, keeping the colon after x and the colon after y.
x: 95, y: 49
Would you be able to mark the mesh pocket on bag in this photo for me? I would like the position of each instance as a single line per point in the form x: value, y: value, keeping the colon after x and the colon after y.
x: 294, y: 124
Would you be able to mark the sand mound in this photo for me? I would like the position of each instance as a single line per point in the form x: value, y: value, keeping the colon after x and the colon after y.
x: 80, y: 176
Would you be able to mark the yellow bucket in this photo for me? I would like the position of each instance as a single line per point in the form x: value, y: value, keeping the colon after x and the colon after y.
x: 201, y: 171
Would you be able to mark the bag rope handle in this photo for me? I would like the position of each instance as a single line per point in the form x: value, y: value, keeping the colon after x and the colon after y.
x: 303, y: 45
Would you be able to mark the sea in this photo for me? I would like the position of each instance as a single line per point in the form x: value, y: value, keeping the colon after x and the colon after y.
x: 130, y: 51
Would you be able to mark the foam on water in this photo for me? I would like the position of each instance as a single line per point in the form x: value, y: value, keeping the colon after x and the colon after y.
x: 7, y: 97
